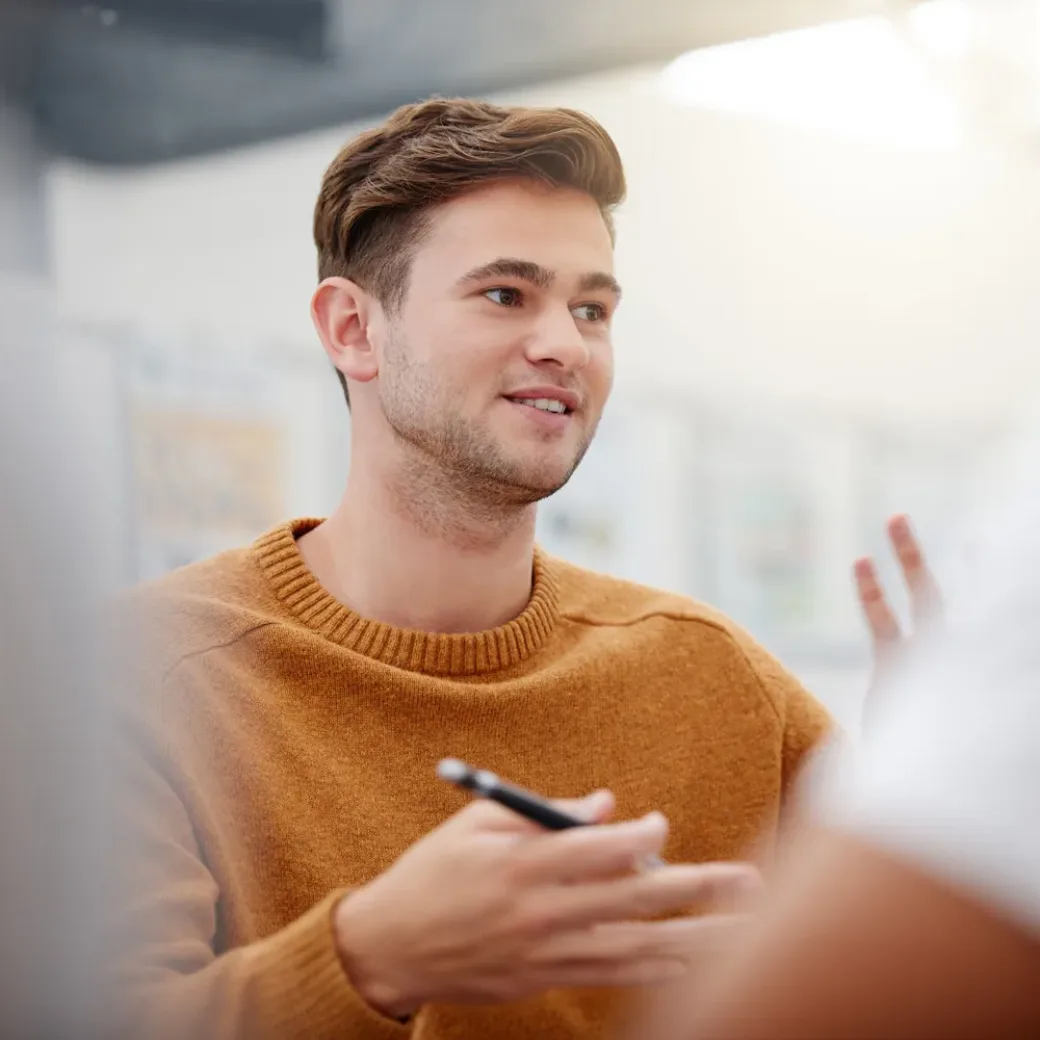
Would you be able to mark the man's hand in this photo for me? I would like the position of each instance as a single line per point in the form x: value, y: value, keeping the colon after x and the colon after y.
x: 489, y: 908
x: 891, y: 644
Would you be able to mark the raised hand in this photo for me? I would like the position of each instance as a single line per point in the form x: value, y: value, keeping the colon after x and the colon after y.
x: 890, y: 642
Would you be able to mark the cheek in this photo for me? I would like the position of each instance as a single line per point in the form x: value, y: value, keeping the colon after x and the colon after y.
x: 465, y: 336
x: 483, y: 349
x: 600, y: 373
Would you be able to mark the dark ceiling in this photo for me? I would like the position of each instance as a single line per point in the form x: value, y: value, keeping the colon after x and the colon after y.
x: 132, y: 82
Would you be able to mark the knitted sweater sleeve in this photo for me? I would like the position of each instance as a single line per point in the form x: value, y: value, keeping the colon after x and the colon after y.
x: 168, y: 981
x: 805, y: 723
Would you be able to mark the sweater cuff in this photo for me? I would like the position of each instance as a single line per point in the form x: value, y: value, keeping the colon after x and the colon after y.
x: 305, y: 990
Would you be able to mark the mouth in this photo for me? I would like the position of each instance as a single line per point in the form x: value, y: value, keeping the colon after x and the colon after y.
x: 548, y: 405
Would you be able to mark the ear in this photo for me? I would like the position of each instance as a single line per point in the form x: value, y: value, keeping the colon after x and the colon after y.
x: 342, y: 312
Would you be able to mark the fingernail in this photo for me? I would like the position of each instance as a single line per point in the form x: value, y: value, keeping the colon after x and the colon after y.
x: 592, y: 805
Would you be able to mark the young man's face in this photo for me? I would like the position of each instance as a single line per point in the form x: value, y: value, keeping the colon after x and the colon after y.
x: 509, y: 301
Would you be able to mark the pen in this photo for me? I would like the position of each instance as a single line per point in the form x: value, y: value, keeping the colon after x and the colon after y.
x: 484, y: 784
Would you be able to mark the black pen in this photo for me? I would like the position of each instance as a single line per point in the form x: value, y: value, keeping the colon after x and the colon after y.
x: 484, y: 784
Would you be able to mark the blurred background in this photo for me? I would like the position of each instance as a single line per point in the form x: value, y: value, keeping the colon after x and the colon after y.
x: 829, y: 254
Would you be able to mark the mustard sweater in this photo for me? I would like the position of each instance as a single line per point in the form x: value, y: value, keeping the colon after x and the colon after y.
x: 276, y: 749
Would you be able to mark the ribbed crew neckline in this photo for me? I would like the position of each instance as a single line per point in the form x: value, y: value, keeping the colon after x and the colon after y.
x: 282, y: 564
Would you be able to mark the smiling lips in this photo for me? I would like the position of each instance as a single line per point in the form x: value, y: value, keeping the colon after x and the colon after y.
x: 546, y: 399
x: 544, y: 404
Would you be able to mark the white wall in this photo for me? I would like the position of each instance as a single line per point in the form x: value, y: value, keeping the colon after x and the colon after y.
x: 755, y: 260
x: 764, y: 270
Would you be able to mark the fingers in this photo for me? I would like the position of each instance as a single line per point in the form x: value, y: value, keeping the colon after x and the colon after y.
x: 645, y: 895
x: 597, y: 807
x: 591, y: 853
x: 627, y: 974
x: 635, y: 953
x: 884, y: 629
x: 925, y: 601
x: 924, y: 592
x: 684, y: 939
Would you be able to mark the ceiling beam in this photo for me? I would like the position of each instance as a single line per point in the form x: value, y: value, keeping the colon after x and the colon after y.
x: 128, y: 83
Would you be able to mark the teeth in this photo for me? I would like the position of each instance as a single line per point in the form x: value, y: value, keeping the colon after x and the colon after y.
x: 546, y: 404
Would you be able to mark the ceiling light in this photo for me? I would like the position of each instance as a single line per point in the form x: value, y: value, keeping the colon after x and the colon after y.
x: 945, y: 28
x: 858, y: 80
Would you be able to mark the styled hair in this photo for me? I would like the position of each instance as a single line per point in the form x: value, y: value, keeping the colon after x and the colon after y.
x: 376, y: 196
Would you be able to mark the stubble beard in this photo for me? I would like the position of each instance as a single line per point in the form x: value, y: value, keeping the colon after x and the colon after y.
x: 453, y: 472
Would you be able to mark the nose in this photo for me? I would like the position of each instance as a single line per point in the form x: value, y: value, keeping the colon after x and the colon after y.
x: 558, y: 341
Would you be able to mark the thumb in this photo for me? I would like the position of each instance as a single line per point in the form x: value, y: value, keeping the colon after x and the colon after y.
x: 597, y: 807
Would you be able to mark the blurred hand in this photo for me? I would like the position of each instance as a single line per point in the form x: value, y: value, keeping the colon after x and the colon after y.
x: 891, y: 644
x: 490, y: 908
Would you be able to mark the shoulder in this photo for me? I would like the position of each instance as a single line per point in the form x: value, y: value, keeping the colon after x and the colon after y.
x: 593, y: 598
x: 692, y: 634
x: 192, y: 610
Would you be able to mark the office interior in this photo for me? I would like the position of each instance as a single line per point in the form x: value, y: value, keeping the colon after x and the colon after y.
x: 828, y: 254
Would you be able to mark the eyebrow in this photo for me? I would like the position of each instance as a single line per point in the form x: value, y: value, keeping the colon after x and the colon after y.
x: 535, y: 274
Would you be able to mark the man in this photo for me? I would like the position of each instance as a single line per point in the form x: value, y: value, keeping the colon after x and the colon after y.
x: 912, y: 910
x: 293, y: 871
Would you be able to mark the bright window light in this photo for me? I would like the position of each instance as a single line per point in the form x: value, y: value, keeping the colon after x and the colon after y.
x: 945, y: 28
x: 858, y: 80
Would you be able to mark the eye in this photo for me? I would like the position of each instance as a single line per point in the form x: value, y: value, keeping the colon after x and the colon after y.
x: 590, y: 312
x: 505, y: 297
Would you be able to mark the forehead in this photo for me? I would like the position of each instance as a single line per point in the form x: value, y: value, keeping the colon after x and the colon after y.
x: 560, y: 228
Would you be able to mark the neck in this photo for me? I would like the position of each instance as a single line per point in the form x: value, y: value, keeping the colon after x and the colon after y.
x: 415, y: 555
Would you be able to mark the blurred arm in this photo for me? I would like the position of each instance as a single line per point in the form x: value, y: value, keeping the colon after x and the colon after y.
x: 857, y: 943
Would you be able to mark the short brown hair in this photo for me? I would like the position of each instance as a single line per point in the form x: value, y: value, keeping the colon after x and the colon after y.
x: 376, y: 194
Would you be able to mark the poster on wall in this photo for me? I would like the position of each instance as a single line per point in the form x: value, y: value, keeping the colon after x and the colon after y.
x: 202, y: 482
x: 932, y: 481
x: 781, y: 504
x: 206, y: 435
x: 764, y: 539
x: 766, y: 548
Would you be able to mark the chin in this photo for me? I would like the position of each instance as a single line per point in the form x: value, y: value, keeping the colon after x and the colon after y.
x: 544, y: 480
x: 529, y: 473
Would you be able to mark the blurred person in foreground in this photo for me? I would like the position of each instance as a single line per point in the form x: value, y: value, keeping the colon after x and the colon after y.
x: 911, y: 909
x: 297, y: 869
x: 53, y: 829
